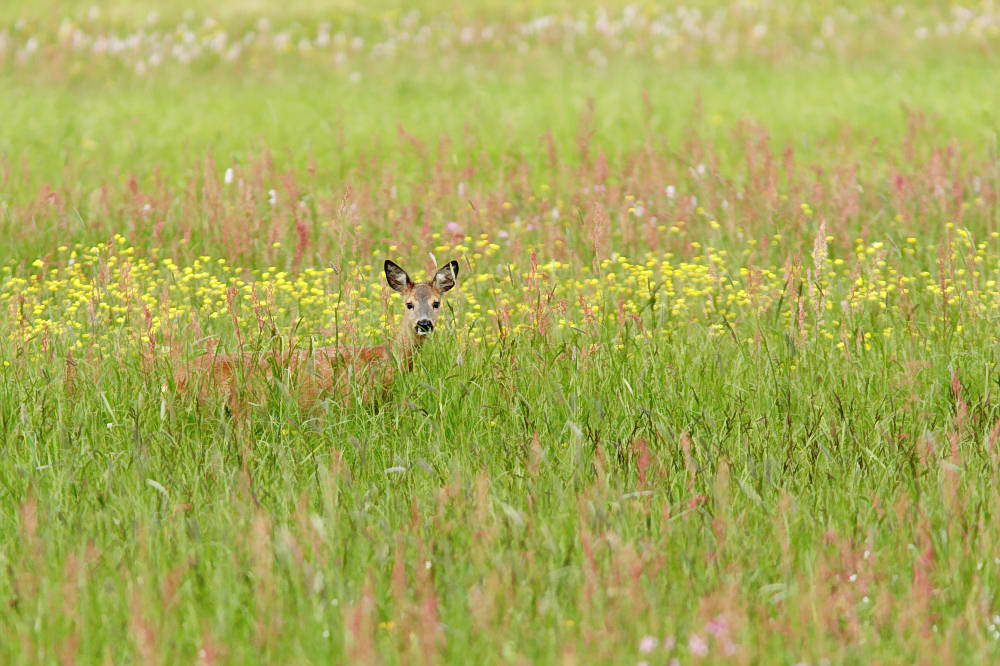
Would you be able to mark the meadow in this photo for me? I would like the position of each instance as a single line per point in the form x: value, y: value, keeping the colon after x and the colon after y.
x: 719, y: 383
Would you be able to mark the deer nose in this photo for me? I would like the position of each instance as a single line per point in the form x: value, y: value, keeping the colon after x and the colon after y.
x: 425, y: 326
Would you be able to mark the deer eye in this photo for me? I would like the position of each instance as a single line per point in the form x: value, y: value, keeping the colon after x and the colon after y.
x: 437, y: 304
x: 409, y: 306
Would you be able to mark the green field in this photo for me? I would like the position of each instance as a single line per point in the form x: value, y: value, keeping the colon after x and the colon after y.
x: 720, y: 381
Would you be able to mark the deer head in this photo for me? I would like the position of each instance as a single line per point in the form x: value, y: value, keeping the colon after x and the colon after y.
x: 422, y: 302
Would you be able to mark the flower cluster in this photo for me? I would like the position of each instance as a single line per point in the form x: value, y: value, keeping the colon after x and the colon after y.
x: 741, y: 29
x: 112, y: 297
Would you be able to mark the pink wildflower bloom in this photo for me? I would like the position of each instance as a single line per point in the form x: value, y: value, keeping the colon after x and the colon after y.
x: 647, y: 644
x: 718, y: 627
x: 697, y: 645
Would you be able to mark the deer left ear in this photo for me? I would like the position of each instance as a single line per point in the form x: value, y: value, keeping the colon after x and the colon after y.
x: 444, y: 279
x: 396, y: 277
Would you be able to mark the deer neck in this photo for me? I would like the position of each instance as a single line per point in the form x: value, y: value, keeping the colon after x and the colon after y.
x: 405, y: 343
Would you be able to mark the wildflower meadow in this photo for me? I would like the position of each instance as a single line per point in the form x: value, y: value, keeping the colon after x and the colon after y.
x: 719, y: 381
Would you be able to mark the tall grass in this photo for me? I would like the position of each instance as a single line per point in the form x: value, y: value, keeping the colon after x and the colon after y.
x: 712, y: 388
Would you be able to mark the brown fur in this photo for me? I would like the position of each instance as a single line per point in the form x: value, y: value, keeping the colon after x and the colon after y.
x: 320, y: 372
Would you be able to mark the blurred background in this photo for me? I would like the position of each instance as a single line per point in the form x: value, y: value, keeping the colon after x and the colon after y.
x: 144, y: 83
x: 101, y: 94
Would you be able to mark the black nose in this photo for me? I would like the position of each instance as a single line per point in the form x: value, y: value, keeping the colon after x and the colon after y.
x: 425, y: 326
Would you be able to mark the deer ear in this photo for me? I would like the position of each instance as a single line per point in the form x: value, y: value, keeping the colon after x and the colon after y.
x: 396, y: 277
x: 444, y: 279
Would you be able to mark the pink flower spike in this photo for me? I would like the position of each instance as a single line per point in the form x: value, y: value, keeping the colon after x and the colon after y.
x: 718, y: 627
x: 647, y: 644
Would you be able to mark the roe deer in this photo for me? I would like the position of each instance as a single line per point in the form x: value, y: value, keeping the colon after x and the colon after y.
x: 329, y: 370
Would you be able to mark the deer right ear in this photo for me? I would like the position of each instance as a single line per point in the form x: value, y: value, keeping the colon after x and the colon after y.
x: 444, y: 279
x: 396, y: 277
